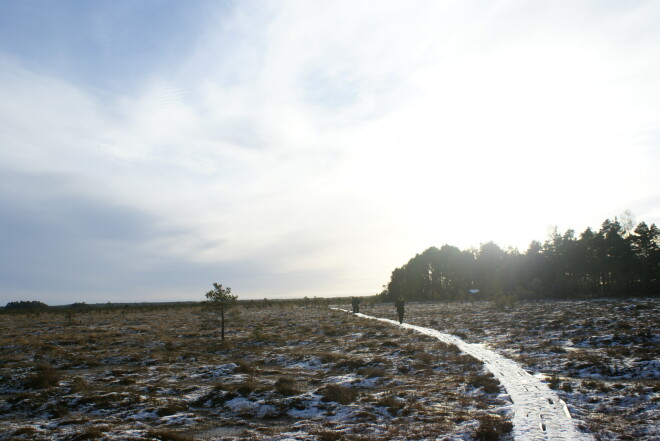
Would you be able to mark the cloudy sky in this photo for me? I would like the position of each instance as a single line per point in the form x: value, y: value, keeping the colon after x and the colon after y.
x: 307, y: 148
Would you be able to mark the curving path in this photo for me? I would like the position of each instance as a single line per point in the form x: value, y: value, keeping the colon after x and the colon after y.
x: 539, y: 414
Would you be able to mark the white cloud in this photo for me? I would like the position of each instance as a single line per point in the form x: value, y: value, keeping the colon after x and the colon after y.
x: 340, y: 139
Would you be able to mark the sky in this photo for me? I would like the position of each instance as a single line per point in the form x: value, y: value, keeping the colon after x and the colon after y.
x: 149, y: 148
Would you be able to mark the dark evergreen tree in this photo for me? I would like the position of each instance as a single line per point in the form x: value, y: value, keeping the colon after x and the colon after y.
x: 612, y: 261
x: 645, y: 243
x: 26, y: 305
x: 220, y: 300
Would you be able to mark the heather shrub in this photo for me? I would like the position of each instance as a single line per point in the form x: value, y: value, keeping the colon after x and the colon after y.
x: 167, y: 435
x: 492, y: 428
x: 488, y: 382
x: 338, y: 394
x: 44, y: 377
x: 286, y: 387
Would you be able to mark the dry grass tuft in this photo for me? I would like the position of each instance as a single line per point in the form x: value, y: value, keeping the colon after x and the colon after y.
x: 373, y: 372
x: 168, y: 435
x: 171, y: 408
x: 244, y: 366
x: 26, y: 431
x: 338, y: 394
x: 287, y: 387
x: 490, y: 384
x: 330, y: 357
x: 492, y: 428
x: 44, y: 377
x: 351, y: 364
x: 329, y: 435
x: 91, y: 433
x: 391, y: 403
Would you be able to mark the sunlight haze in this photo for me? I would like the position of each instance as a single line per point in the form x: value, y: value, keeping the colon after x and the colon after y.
x: 307, y: 148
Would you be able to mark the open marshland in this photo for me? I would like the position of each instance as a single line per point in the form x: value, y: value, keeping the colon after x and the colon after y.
x: 307, y: 373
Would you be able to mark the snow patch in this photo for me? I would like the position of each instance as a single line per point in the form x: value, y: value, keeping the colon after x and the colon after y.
x: 539, y: 414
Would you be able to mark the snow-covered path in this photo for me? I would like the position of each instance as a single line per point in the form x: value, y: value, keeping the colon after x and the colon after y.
x: 539, y: 414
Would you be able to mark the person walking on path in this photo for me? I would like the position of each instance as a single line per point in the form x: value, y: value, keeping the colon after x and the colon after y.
x: 400, y: 308
x: 356, y: 305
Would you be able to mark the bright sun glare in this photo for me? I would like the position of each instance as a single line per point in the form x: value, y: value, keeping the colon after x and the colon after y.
x: 304, y: 148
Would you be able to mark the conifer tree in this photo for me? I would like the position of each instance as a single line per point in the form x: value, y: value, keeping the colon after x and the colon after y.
x: 221, y: 300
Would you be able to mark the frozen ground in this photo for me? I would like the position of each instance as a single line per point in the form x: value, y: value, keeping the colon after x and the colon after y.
x: 318, y: 374
x: 283, y: 374
x: 538, y: 413
x: 601, y: 357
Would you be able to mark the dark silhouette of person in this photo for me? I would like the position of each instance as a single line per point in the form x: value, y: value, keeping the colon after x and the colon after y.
x: 356, y: 305
x: 400, y: 308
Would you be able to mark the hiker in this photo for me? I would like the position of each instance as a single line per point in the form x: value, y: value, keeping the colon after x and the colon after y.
x: 400, y: 308
x: 356, y: 305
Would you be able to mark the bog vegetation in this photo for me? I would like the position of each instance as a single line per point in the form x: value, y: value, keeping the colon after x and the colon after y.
x: 285, y: 371
x: 290, y: 371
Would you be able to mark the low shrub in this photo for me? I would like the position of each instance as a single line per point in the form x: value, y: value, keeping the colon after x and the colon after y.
x: 425, y: 358
x: 333, y: 331
x: 247, y: 387
x: 56, y: 410
x: 329, y: 435
x: 243, y: 367
x: 330, y: 357
x: 28, y: 431
x: 80, y: 385
x: 286, y: 387
x: 338, y: 394
x: 351, y: 364
x: 44, y: 377
x: 492, y: 428
x: 216, y: 397
x: 489, y: 383
x: 554, y: 382
x: 596, y: 385
x: 390, y: 344
x: 258, y: 336
x: 171, y: 408
x: 166, y: 435
x: 372, y: 372
x: 391, y: 403
x: 92, y: 433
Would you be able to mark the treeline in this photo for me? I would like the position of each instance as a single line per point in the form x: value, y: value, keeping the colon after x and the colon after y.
x: 34, y: 306
x: 613, y: 261
x: 291, y: 302
x: 23, y: 305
